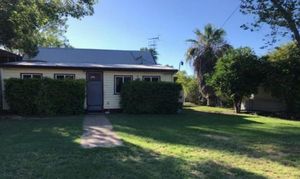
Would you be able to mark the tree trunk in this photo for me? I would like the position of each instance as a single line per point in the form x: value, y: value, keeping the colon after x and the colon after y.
x: 237, y: 105
x: 290, y: 105
x: 212, y: 100
x: 207, y: 92
x: 205, y: 66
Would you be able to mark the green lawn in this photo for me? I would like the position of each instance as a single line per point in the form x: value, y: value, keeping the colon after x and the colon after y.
x: 196, y: 143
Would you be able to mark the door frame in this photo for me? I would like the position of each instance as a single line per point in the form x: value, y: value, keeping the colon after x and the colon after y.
x: 102, y: 90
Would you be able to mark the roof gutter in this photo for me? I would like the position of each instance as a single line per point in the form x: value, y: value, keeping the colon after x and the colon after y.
x: 89, y: 68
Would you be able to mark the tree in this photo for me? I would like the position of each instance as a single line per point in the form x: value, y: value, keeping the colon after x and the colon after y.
x: 203, y: 54
x: 190, y: 87
x: 183, y: 79
x: 25, y: 25
x: 54, y: 37
x: 237, y: 75
x: 282, y: 75
x: 153, y: 52
x: 283, y: 16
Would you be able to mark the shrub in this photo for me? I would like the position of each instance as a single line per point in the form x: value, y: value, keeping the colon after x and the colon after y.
x: 145, y: 97
x: 45, y: 96
x: 190, y: 87
x: 193, y: 94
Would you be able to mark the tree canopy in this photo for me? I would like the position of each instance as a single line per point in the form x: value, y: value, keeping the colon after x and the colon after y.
x: 25, y: 25
x: 236, y: 75
x: 282, y: 75
x: 283, y: 16
x: 153, y: 52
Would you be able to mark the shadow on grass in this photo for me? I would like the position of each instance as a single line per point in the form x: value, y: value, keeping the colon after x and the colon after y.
x: 48, y: 149
x: 135, y: 162
x: 211, y: 169
x: 225, y: 132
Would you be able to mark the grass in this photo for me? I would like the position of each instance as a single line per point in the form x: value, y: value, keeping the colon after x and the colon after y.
x: 196, y: 143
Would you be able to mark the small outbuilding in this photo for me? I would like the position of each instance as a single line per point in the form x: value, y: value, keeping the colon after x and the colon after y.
x: 263, y: 101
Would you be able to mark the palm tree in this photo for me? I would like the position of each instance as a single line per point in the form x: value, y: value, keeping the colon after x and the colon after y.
x: 203, y: 53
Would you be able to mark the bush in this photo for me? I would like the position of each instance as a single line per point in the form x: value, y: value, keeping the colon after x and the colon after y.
x: 190, y: 87
x: 45, y: 96
x: 139, y: 97
x: 193, y: 94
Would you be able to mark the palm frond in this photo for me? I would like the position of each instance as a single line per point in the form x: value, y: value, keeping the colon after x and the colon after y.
x: 198, y: 33
x: 218, y: 36
x: 206, y: 47
x: 193, y: 41
x: 208, y: 30
x: 191, y: 53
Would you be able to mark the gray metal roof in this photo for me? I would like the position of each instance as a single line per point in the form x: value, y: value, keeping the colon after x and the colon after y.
x: 92, y: 59
x: 93, y: 56
x: 128, y: 67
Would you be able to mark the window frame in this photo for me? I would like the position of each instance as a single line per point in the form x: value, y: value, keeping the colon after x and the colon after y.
x: 159, y: 79
x: 123, y: 78
x: 31, y: 74
x: 64, y: 74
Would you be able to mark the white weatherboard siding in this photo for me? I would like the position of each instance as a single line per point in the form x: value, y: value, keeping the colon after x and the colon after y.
x: 7, y: 73
x: 111, y: 100
x: 15, y: 72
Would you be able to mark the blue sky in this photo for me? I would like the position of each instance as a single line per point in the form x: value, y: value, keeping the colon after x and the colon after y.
x: 127, y: 25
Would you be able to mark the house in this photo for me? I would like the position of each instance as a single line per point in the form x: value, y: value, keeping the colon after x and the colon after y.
x: 263, y: 101
x: 104, y: 70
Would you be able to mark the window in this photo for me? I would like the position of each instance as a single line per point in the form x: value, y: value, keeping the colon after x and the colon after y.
x: 31, y: 75
x: 64, y: 76
x: 151, y: 78
x: 119, y: 81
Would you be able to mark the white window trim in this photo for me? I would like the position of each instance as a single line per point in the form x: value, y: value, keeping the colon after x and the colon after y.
x: 115, y: 84
x: 63, y: 74
x: 159, y: 79
x: 31, y: 75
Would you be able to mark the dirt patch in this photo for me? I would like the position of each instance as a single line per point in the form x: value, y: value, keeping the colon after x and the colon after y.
x: 97, y: 132
x: 216, y: 137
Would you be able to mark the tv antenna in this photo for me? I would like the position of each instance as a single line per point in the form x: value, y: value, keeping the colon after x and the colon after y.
x: 152, y: 42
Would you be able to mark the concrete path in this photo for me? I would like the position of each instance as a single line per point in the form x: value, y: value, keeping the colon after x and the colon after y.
x: 98, y: 132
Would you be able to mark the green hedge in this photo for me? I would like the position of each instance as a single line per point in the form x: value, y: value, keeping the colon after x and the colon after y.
x: 139, y: 97
x: 45, y: 96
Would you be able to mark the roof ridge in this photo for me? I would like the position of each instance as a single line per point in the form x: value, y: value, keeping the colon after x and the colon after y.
x: 70, y: 48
